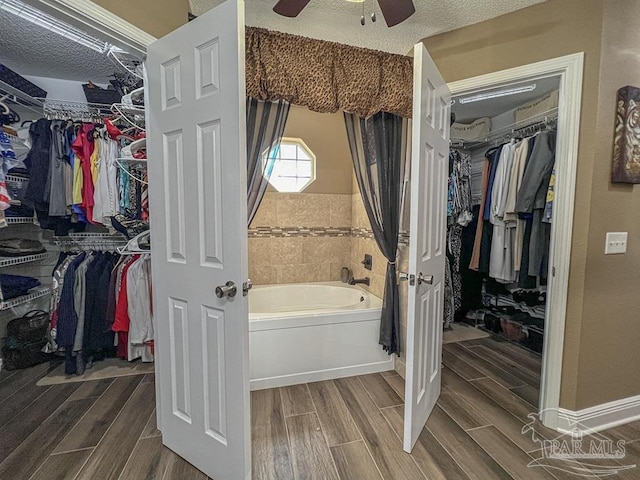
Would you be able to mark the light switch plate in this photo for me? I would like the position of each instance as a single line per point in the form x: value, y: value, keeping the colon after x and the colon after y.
x: 616, y: 243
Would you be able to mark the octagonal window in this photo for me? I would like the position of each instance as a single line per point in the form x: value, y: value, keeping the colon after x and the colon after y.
x: 292, y: 165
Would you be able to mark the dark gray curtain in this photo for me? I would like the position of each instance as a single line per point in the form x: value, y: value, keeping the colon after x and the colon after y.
x: 265, y: 125
x: 378, y: 148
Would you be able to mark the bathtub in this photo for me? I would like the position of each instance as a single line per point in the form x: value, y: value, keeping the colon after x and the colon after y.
x: 309, y: 332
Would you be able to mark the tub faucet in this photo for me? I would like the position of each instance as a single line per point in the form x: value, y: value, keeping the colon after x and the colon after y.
x: 365, y: 281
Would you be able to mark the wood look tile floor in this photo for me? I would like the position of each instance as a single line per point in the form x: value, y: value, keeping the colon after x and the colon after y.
x: 346, y: 429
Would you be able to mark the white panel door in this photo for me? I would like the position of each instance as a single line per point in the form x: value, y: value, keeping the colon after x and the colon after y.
x: 428, y: 204
x: 198, y: 197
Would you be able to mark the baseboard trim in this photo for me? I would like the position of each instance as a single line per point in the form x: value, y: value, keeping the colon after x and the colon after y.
x: 599, y: 417
x: 320, y: 375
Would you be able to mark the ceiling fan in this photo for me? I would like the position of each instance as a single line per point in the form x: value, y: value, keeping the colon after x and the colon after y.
x: 393, y: 11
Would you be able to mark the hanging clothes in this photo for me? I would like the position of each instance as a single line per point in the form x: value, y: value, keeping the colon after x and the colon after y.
x: 82, y: 324
x: 459, y: 214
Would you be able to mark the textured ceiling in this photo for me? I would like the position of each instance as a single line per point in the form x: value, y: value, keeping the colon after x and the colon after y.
x: 339, y: 20
x: 32, y: 50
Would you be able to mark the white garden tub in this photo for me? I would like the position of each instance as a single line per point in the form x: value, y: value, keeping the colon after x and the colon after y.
x: 309, y: 332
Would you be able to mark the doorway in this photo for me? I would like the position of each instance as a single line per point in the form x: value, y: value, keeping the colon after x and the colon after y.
x: 568, y: 72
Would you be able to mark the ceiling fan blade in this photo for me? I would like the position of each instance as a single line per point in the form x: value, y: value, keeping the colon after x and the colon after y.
x: 290, y: 8
x: 396, y: 11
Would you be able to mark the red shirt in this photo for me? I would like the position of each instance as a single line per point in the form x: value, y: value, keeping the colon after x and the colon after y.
x: 121, y: 321
x: 83, y: 148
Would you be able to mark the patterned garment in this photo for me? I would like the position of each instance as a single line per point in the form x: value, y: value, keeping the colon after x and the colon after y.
x: 449, y: 309
x: 9, y: 160
x: 459, y: 198
x: 454, y: 250
x: 548, y: 208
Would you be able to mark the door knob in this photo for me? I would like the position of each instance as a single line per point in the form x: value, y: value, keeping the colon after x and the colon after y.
x: 229, y: 289
x: 428, y: 279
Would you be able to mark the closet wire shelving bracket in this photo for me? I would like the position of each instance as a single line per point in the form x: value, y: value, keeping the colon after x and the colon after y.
x: 35, y: 293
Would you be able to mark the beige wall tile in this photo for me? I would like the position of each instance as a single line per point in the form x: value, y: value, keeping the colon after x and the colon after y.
x: 326, y: 249
x: 260, y: 252
x: 335, y: 272
x: 286, y: 250
x: 377, y: 285
x: 263, y: 275
x: 304, y: 272
x: 266, y: 214
x: 340, y: 210
x: 358, y: 213
x: 303, y: 210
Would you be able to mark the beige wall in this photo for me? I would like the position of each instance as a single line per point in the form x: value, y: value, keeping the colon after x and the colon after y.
x: 603, y: 302
x: 326, y: 136
x: 610, y: 353
x: 154, y: 17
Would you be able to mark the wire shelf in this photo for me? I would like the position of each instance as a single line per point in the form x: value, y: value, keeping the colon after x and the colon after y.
x: 9, y: 261
x: 516, y: 129
x: 16, y: 178
x: 128, y: 63
x: 65, y: 109
x: 94, y: 236
x: 16, y: 220
x: 18, y: 96
x: 132, y: 114
x: 35, y: 293
x: 16, y: 142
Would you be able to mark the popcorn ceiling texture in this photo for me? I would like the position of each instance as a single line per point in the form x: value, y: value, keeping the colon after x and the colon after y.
x: 32, y: 50
x: 339, y: 21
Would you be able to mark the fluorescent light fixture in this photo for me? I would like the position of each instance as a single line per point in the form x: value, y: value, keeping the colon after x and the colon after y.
x: 497, y: 93
x: 52, y: 24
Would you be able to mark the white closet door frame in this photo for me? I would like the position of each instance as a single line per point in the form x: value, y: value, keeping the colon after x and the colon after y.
x: 570, y: 70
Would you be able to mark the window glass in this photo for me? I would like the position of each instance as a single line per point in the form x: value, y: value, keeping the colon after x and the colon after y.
x: 293, y: 165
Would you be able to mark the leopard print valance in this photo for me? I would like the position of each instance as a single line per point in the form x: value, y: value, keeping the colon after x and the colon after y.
x: 326, y: 76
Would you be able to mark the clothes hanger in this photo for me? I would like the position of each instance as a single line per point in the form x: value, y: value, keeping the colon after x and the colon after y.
x: 133, y: 246
x: 5, y: 108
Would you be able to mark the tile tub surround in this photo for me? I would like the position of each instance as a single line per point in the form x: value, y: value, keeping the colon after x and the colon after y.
x: 297, y: 259
x: 303, y: 210
x: 300, y: 237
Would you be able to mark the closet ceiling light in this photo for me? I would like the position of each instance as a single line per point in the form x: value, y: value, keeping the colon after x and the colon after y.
x: 52, y: 24
x: 497, y: 93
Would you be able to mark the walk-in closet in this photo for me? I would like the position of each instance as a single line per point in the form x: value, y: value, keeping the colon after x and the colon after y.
x: 500, y: 210
x: 75, y: 313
